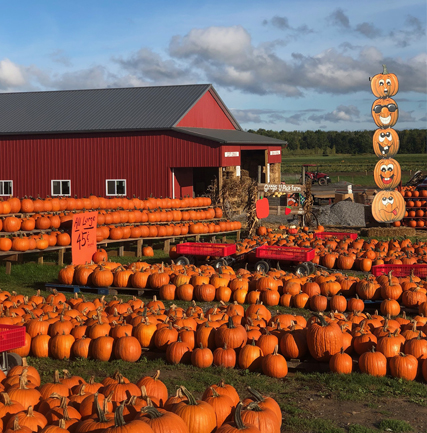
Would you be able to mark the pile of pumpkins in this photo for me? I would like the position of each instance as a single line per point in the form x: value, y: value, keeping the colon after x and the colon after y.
x: 15, y: 205
x: 226, y: 335
x: 319, y: 292
x: 343, y: 252
x: 70, y: 404
x: 416, y: 207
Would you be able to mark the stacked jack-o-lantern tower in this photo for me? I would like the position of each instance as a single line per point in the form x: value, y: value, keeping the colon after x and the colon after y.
x: 388, y: 205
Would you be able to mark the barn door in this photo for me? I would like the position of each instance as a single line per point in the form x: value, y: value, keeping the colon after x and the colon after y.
x: 183, y: 182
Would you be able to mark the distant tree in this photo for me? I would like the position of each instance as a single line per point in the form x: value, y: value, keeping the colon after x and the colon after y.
x: 353, y: 142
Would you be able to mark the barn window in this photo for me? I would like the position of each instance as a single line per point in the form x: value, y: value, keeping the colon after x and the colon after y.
x: 61, y: 187
x: 116, y: 186
x: 6, y: 187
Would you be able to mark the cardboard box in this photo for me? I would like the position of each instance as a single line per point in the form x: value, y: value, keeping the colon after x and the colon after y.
x: 360, y: 197
x: 341, y: 197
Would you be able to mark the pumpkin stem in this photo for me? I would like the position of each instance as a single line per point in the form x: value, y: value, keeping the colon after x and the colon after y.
x: 191, y: 400
x: 238, y: 417
x: 385, y: 70
x: 152, y: 412
x: 118, y: 416
x: 256, y: 394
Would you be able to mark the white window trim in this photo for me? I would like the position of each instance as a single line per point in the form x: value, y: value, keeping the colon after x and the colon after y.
x: 115, y: 180
x: 11, y: 188
x: 59, y: 180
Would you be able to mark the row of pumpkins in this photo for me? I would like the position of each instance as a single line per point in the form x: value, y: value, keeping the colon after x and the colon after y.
x: 70, y: 404
x: 416, y: 205
x: 41, y: 241
x: 228, y: 335
x: 40, y: 221
x: 57, y: 204
x: 318, y: 291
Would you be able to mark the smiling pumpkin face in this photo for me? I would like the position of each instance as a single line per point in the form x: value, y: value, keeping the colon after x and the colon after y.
x: 387, y: 173
x: 388, y: 206
x: 385, y: 112
x: 386, y: 142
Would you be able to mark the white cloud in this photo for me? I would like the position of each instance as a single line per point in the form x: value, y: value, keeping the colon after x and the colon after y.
x: 11, y: 75
x: 213, y: 44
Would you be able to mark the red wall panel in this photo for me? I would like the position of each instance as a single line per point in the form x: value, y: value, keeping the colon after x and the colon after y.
x: 274, y: 154
x: 206, y: 114
x: 144, y: 159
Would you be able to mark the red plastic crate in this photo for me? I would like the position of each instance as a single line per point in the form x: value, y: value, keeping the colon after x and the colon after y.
x: 400, y: 270
x: 339, y: 235
x: 205, y: 249
x: 11, y: 337
x: 276, y: 252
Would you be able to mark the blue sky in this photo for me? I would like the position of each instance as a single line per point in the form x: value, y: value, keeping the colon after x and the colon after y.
x: 281, y: 65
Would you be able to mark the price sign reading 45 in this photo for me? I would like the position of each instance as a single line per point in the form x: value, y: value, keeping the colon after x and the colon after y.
x: 83, y: 237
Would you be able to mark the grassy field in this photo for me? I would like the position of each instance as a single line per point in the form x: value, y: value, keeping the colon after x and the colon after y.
x: 311, y: 402
x: 356, y: 169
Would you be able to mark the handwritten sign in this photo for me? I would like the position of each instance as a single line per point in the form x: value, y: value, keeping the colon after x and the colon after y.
x: 282, y: 188
x: 83, y: 237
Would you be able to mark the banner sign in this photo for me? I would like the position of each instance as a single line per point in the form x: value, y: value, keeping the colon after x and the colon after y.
x: 269, y: 187
x: 83, y: 237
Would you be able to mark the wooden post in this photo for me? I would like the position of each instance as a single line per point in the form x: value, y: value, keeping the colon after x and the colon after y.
x: 61, y: 256
x: 238, y: 235
x: 267, y: 180
x: 8, y: 267
x: 167, y: 246
x: 220, y: 183
x: 40, y: 258
x: 121, y: 250
x: 139, y: 248
x: 259, y: 174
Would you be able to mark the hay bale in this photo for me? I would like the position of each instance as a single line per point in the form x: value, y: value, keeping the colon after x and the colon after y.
x: 388, y: 232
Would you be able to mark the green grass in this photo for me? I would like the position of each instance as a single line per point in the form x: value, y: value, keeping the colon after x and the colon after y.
x: 357, y: 428
x: 316, y: 425
x: 359, y: 387
x: 395, y: 426
x: 349, y: 163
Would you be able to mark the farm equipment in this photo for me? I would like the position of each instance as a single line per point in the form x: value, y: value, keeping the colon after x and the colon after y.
x: 225, y: 255
x: 270, y: 253
x: 11, y: 337
x: 314, y: 175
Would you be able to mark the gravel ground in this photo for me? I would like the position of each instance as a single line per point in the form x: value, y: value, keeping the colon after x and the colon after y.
x: 343, y: 213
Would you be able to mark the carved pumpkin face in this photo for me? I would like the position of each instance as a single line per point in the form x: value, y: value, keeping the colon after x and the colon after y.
x: 388, y: 206
x: 385, y: 112
x: 386, y: 143
x: 384, y: 85
x: 387, y: 173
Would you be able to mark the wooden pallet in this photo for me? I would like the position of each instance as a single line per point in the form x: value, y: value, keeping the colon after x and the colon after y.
x: 76, y: 288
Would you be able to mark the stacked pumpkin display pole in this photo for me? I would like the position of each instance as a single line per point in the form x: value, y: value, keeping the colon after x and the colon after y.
x: 388, y: 205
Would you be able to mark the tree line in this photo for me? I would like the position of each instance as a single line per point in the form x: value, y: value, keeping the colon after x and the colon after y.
x: 353, y: 142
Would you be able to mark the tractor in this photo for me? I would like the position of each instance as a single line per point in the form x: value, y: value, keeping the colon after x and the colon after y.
x: 314, y: 175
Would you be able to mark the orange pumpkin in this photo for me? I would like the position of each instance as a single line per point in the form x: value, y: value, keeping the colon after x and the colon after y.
x: 388, y: 206
x: 386, y: 142
x: 385, y: 112
x: 384, y: 85
x: 387, y: 173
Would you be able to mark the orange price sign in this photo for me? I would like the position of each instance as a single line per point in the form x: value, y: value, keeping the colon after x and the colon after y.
x: 83, y: 237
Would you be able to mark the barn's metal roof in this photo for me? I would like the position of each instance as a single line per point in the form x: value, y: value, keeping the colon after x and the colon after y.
x: 135, y: 108
x: 230, y: 136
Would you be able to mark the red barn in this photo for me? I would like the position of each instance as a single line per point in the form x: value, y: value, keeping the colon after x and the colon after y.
x: 166, y: 141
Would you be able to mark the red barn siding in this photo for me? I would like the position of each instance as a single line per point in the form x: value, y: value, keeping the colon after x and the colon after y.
x: 274, y: 158
x: 207, y: 113
x: 144, y: 159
